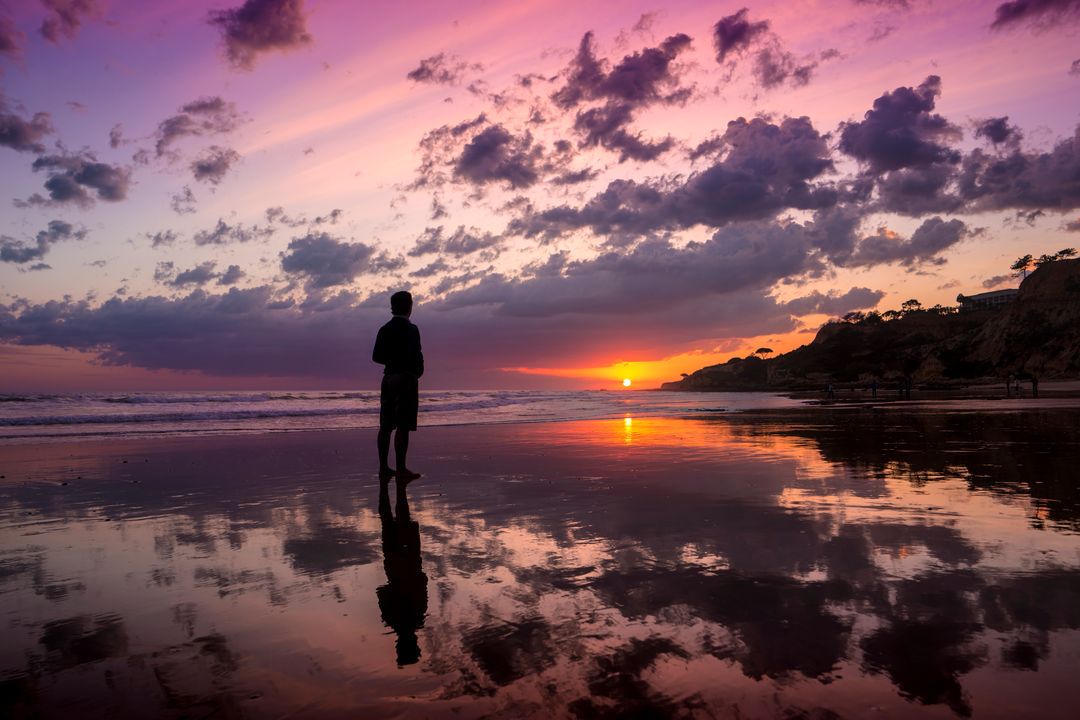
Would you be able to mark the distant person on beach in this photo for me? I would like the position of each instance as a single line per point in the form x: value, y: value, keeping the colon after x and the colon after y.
x: 397, y: 347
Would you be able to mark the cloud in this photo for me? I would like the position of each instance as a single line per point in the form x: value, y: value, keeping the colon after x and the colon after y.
x: 926, y: 244
x: 998, y: 280
x: 496, y: 155
x: 640, y: 79
x: 834, y: 303
x: 1074, y: 69
x: 460, y: 243
x: 277, y: 215
x: 116, y: 136
x: 1022, y: 179
x: 901, y: 131
x: 260, y: 26
x: 13, y: 251
x: 65, y: 17
x: 997, y: 130
x: 442, y: 69
x: 161, y: 238
x: 24, y: 135
x: 1043, y: 13
x: 214, y: 164
x: 205, y: 116
x: 226, y: 234
x: 767, y: 168
x: 11, y: 39
x: 198, y: 275
x: 734, y: 34
x: 73, y: 177
x: 183, y: 202
x: 323, y: 261
x: 232, y: 275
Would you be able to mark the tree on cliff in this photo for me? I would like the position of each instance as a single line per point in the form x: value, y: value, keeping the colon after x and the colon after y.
x: 1022, y: 265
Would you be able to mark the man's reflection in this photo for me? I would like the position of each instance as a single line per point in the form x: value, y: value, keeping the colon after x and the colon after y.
x: 403, y: 599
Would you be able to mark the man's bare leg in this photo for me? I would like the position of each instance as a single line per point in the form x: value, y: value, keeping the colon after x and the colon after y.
x: 401, y: 449
x: 385, y: 471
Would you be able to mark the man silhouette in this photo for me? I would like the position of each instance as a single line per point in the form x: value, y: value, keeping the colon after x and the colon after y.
x: 397, y: 347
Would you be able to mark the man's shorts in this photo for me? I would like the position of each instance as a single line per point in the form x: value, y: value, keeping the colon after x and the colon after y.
x: 400, y: 401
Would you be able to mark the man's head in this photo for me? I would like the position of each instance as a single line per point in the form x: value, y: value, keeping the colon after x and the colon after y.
x: 401, y: 303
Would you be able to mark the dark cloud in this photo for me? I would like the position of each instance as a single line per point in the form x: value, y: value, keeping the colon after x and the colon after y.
x: 65, y: 17
x: 459, y: 243
x: 14, y: 251
x: 997, y: 281
x: 1043, y: 13
x: 834, y: 303
x: 183, y: 202
x: 495, y: 155
x: 232, y: 275
x: 639, y: 80
x: 323, y: 261
x: 226, y: 234
x: 162, y: 238
x: 11, y: 38
x: 901, y: 131
x: 278, y: 215
x: 438, y: 267
x: 774, y: 66
x: 734, y: 34
x: 214, y: 164
x: 926, y: 244
x: 1074, y: 69
x: 1073, y: 226
x: 767, y: 168
x: 116, y: 136
x: 919, y: 190
x: 260, y: 26
x: 24, y: 135
x: 78, y: 179
x: 198, y: 275
x: 654, y: 275
x: 606, y: 127
x: 1021, y: 179
x: 442, y: 69
x: 997, y: 130
x: 205, y: 116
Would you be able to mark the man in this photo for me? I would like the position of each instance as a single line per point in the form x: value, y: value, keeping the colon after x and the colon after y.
x: 397, y: 346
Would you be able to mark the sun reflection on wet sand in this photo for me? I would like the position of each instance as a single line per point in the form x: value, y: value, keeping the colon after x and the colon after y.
x: 760, y: 566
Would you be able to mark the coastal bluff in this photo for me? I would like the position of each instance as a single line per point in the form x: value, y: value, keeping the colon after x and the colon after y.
x: 1035, y: 335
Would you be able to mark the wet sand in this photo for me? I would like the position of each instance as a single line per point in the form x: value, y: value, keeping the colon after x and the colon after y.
x: 845, y: 562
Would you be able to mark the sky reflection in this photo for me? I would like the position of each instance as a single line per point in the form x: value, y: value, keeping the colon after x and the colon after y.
x: 807, y: 565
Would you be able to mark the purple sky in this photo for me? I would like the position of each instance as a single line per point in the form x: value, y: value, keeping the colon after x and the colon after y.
x: 223, y: 194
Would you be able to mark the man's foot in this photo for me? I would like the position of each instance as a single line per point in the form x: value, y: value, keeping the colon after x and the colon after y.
x: 386, y: 473
x: 406, y: 475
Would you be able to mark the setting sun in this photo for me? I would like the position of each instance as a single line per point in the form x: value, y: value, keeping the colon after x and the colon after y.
x: 626, y: 382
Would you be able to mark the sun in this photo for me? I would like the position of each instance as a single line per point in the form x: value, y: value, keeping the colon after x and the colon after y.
x: 626, y: 382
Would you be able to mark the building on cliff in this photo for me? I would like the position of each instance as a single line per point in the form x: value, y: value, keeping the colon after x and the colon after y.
x: 993, y: 300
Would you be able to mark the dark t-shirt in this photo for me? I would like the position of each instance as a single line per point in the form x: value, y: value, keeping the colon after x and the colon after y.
x: 397, y: 346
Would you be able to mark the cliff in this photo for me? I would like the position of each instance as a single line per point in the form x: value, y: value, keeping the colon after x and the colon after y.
x: 1037, y: 334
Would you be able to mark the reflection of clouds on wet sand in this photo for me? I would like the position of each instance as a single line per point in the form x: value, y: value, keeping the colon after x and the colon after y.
x: 662, y: 567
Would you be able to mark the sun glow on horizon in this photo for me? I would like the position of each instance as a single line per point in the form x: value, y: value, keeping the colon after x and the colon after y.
x: 627, y: 382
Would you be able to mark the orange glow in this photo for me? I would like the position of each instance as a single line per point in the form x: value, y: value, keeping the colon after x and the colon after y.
x: 651, y: 373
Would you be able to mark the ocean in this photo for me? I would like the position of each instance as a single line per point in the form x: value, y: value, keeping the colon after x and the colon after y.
x: 44, y: 416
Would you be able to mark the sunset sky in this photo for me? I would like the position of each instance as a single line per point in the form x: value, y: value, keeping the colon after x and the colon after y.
x: 223, y: 194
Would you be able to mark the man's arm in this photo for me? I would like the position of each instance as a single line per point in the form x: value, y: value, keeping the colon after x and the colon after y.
x: 418, y: 352
x: 378, y: 354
